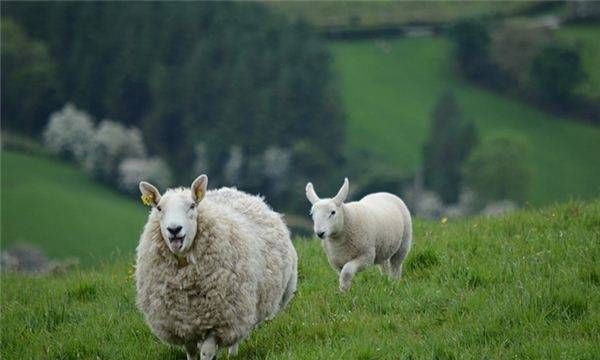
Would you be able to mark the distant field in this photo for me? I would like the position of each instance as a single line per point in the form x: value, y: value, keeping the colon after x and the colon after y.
x: 390, y: 87
x: 55, y: 206
x: 586, y: 38
x: 357, y: 14
x: 526, y: 286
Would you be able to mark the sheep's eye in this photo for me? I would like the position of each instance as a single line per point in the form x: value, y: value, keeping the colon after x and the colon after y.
x: 158, y: 208
x: 332, y: 213
x: 192, y: 206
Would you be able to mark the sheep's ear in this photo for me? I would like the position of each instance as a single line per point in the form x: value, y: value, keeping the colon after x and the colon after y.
x: 311, y: 195
x: 199, y: 188
x: 342, y: 194
x: 150, y: 194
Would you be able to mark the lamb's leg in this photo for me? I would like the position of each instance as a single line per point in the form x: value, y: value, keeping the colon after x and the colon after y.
x: 397, y: 259
x: 233, y: 349
x: 350, y: 269
x: 191, y: 350
x: 385, y: 268
x: 209, y: 348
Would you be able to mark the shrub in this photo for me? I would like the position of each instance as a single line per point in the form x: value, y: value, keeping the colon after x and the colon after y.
x: 555, y: 72
x: 111, y: 144
x: 471, y: 40
x: 68, y: 133
x: 132, y: 171
x: 497, y: 169
x: 276, y: 168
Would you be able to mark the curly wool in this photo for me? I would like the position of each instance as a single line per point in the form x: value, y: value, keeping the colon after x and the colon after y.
x: 241, y: 270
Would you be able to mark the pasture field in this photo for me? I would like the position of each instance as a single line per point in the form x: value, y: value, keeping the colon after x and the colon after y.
x: 368, y: 14
x: 389, y: 88
x: 522, y: 286
x: 55, y: 206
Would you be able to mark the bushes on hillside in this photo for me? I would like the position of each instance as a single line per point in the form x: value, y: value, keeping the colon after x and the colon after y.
x: 110, y: 145
x: 68, y: 133
x: 555, y: 72
x: 498, y: 170
x: 447, y: 147
x: 153, y: 170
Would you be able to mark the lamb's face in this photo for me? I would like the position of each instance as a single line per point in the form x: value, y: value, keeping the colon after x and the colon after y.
x: 178, y: 220
x: 328, y: 218
x: 327, y: 214
x: 176, y: 212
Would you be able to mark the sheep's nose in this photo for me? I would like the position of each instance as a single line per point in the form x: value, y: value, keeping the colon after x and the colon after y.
x: 321, y: 234
x: 174, y: 230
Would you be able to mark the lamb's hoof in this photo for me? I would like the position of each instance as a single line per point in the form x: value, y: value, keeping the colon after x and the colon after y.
x: 233, y: 350
x: 344, y: 287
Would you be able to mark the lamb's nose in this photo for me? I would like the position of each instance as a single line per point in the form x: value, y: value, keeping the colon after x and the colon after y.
x: 321, y: 234
x: 174, y: 230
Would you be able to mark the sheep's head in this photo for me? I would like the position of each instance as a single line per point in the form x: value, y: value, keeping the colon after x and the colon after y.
x: 177, y: 212
x: 327, y: 214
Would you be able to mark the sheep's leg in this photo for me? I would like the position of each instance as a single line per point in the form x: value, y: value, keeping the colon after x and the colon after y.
x: 233, y: 349
x: 397, y: 259
x: 191, y: 350
x: 208, y: 351
x: 350, y: 269
x: 385, y: 267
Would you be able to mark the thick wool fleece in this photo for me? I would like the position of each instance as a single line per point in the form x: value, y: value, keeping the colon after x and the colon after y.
x: 241, y: 270
x: 377, y: 227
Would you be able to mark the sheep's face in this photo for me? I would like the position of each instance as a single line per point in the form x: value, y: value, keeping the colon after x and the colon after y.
x: 327, y: 214
x: 177, y: 213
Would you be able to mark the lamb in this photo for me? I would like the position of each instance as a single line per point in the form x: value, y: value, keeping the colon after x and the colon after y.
x: 211, y: 266
x: 375, y: 230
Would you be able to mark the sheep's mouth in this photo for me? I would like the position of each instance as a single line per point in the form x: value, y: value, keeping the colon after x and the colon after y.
x: 176, y: 242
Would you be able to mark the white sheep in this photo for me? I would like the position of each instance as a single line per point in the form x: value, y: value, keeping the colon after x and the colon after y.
x: 375, y: 230
x: 211, y: 266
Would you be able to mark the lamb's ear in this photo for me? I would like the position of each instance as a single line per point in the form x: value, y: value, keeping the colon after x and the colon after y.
x: 311, y: 195
x: 199, y: 188
x: 150, y: 194
x: 342, y: 194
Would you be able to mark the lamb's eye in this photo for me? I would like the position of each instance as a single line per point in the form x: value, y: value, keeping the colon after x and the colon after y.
x: 158, y: 208
x: 192, y: 206
x: 332, y: 213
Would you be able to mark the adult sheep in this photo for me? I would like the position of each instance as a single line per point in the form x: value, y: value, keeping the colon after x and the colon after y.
x: 211, y: 265
x: 375, y: 230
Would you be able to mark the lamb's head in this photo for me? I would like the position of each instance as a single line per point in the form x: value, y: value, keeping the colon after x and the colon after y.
x: 327, y: 214
x: 176, y: 210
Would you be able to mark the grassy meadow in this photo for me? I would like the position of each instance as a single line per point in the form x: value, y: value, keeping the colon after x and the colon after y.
x: 389, y: 89
x: 523, y: 286
x: 55, y: 206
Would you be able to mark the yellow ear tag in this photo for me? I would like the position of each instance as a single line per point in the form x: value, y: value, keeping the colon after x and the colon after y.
x: 147, y: 199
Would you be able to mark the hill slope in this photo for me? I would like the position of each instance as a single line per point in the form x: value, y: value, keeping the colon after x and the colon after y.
x: 55, y: 206
x: 524, y: 286
x: 390, y: 87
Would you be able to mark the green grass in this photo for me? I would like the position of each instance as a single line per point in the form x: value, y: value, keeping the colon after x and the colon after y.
x: 364, y: 14
x: 55, y: 206
x: 389, y: 89
x: 524, y: 286
x: 585, y: 38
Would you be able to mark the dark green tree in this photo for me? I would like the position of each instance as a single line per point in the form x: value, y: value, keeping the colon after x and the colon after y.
x: 448, y: 146
x: 471, y: 45
x: 498, y: 169
x: 29, y: 89
x: 555, y: 72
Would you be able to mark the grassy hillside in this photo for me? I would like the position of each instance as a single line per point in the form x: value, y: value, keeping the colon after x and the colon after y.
x: 54, y: 205
x: 585, y: 38
x: 525, y: 286
x: 359, y: 14
x: 390, y: 87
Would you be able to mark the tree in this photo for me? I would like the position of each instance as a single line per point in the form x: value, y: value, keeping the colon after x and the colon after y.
x: 472, y: 40
x: 555, y: 72
x: 449, y: 144
x: 29, y: 90
x: 498, y: 170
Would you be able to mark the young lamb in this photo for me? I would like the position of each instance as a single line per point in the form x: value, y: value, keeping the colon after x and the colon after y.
x: 211, y: 266
x: 375, y: 230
